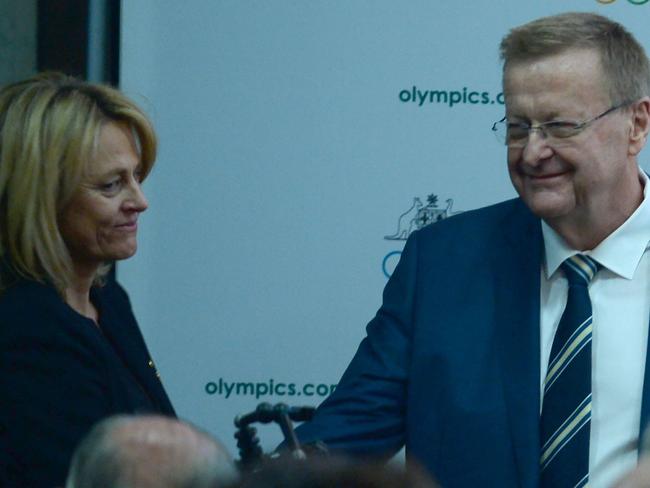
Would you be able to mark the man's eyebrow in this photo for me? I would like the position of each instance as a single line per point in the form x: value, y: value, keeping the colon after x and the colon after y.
x: 544, y: 116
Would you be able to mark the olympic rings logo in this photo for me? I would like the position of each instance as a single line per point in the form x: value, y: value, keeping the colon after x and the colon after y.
x: 634, y: 2
x: 390, y: 261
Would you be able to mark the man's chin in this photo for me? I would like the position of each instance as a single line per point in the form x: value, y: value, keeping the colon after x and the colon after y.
x: 549, y: 208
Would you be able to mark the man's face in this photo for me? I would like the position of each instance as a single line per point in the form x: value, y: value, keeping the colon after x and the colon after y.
x: 583, y: 177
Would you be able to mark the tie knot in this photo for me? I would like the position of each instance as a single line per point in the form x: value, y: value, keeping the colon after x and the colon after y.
x: 579, y: 269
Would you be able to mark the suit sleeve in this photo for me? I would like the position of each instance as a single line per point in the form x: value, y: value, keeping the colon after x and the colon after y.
x: 365, y: 415
x: 52, y: 391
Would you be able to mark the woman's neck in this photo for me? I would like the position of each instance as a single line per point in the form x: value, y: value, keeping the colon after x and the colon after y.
x: 77, y: 295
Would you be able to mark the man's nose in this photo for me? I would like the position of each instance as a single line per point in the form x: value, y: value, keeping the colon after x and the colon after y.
x: 537, y: 147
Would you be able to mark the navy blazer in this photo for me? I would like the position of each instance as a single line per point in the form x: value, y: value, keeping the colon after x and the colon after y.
x: 450, y: 363
x: 59, y: 374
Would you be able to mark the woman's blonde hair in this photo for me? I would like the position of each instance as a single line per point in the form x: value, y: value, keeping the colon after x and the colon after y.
x: 49, y: 127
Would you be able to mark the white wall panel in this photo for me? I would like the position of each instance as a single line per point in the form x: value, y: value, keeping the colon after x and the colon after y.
x: 286, y: 156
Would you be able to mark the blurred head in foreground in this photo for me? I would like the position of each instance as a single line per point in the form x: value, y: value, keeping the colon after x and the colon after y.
x: 332, y: 472
x: 127, y: 451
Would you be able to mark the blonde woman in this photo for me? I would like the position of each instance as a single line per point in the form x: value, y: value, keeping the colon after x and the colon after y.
x: 73, y: 156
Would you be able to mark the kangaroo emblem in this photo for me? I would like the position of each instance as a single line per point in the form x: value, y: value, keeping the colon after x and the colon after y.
x: 406, y: 222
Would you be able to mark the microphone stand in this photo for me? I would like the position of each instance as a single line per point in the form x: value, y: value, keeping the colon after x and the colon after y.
x: 248, y: 443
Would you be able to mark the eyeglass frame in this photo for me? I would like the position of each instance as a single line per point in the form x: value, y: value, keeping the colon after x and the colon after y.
x: 579, y: 127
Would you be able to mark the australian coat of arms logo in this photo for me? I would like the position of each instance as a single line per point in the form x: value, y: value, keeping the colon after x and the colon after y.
x: 419, y: 215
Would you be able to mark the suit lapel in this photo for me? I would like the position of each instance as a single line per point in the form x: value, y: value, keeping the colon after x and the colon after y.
x: 517, y: 310
x: 125, y: 337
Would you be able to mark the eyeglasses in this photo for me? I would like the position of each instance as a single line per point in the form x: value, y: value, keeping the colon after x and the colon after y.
x: 515, y: 134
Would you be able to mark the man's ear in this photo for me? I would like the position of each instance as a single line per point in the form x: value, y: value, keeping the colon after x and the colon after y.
x: 640, y: 125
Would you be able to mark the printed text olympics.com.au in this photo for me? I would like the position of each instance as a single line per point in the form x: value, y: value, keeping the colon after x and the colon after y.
x: 267, y: 388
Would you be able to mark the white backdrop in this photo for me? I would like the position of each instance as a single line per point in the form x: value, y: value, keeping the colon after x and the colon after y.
x: 291, y: 142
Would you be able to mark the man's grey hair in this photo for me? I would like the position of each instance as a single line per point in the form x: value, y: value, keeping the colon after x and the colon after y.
x: 129, y: 451
x: 626, y: 68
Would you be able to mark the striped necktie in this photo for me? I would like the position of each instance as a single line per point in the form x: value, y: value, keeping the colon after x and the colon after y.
x: 566, y: 409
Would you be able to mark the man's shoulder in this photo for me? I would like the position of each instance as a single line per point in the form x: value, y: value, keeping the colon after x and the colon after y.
x: 471, y: 236
x: 509, y: 213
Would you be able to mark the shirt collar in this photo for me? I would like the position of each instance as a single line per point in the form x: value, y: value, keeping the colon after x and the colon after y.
x: 620, y: 252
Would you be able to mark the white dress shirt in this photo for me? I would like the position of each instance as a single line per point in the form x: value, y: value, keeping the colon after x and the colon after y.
x: 620, y: 297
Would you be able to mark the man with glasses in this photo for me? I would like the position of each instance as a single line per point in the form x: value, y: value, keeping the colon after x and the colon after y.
x: 510, y: 348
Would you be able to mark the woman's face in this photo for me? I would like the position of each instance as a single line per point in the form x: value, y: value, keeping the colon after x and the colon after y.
x: 100, y: 222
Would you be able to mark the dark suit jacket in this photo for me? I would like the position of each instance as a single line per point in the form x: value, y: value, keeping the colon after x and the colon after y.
x: 450, y: 364
x: 59, y: 374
